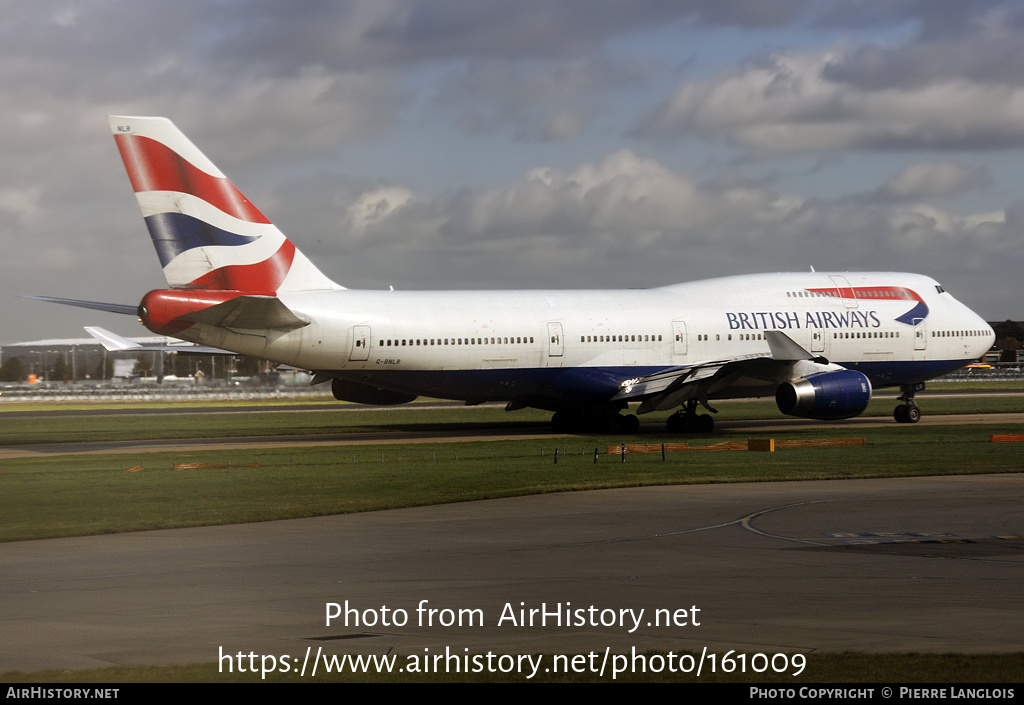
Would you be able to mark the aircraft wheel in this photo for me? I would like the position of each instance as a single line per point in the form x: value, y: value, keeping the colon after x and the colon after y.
x: 901, y: 413
x: 913, y: 414
x: 613, y: 423
x: 689, y: 423
x: 630, y: 424
x: 568, y: 422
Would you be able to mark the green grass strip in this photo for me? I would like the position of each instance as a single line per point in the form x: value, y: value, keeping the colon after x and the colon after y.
x: 43, y: 497
x: 334, y: 419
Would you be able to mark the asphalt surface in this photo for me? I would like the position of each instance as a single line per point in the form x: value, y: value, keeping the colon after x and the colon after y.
x: 921, y: 564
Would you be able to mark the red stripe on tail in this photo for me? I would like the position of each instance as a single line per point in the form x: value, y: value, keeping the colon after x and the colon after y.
x: 262, y: 278
x: 152, y: 166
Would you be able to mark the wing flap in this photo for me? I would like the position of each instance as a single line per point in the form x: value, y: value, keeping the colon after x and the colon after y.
x: 669, y: 388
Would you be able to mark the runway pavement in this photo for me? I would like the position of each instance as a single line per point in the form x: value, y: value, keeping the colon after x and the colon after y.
x: 921, y: 564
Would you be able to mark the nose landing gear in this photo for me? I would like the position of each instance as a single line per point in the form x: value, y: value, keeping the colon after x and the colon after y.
x: 907, y: 412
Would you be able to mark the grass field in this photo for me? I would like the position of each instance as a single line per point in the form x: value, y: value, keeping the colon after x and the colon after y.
x: 70, y: 495
x: 260, y: 420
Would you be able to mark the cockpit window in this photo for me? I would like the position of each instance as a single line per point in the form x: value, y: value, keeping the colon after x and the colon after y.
x: 938, y: 288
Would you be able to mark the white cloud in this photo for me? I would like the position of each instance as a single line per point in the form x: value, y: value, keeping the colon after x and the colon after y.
x: 22, y: 203
x: 536, y: 102
x: 787, y: 103
x: 372, y: 206
x: 926, y: 180
x: 629, y: 220
x: 587, y: 222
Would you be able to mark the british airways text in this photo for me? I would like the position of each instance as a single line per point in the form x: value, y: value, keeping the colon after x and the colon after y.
x: 783, y: 320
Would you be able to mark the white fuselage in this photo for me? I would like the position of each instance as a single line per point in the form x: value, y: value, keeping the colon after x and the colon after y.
x: 503, y: 345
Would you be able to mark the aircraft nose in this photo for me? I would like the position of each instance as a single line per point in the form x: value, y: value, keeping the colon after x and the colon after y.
x: 986, y: 341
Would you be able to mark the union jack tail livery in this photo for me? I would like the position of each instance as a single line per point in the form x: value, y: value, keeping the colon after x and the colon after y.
x: 207, y: 235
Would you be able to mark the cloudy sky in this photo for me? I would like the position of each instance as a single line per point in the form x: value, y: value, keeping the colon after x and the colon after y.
x: 525, y: 143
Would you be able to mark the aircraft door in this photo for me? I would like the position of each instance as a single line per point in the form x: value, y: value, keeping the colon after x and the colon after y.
x: 360, y: 343
x: 920, y: 335
x: 555, y: 344
x: 845, y: 290
x: 679, y: 343
x: 817, y: 340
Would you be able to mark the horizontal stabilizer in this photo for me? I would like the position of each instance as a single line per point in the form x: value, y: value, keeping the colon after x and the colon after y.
x: 116, y: 343
x: 95, y: 305
x: 249, y: 313
x: 112, y: 341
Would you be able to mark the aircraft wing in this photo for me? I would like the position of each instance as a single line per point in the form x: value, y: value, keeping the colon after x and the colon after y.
x: 670, y: 388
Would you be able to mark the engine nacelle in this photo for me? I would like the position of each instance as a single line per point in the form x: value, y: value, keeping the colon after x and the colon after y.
x: 825, y: 396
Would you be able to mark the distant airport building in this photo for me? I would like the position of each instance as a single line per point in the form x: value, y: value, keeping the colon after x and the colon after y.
x: 85, y: 361
x: 59, y: 360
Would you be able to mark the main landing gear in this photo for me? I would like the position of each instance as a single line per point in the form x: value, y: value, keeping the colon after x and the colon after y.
x: 687, y: 420
x: 908, y: 411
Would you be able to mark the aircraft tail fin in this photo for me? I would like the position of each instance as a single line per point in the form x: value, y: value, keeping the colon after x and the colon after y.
x: 206, y: 233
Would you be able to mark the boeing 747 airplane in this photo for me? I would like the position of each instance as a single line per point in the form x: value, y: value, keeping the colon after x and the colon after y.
x: 818, y: 342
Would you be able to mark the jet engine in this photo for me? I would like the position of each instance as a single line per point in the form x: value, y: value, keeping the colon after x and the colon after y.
x: 825, y: 395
